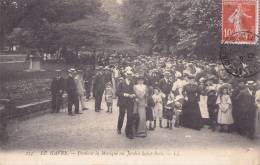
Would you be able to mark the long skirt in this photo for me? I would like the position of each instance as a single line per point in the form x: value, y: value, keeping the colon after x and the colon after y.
x: 191, y: 117
x: 204, y: 107
x: 257, y: 123
x: 114, y: 84
x: 141, y: 131
x: 149, y: 114
x: 169, y: 113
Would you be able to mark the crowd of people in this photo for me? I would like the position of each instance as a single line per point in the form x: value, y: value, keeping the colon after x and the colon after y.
x: 156, y: 91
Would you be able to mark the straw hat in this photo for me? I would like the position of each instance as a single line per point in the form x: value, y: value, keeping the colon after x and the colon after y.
x: 129, y: 73
x: 128, y: 68
x: 178, y: 74
x: 202, y: 80
x: 250, y: 83
x: 166, y: 73
x: 139, y: 76
x: 99, y: 67
x: 224, y: 86
x: 72, y: 70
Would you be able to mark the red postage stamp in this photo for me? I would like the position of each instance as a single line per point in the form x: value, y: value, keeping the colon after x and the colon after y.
x: 239, y: 21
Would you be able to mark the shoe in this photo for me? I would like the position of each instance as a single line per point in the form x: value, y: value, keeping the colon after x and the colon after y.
x: 160, y: 123
x: 170, y: 126
x: 130, y: 137
x: 70, y: 114
x: 107, y: 112
x: 84, y: 109
x: 221, y: 130
x: 176, y: 125
x: 119, y: 132
x: 78, y: 113
x: 150, y: 126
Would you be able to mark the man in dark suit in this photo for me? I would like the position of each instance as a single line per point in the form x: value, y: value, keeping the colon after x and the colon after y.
x: 247, y: 108
x: 98, y: 88
x: 73, y: 98
x: 57, y: 90
x: 107, y: 74
x: 165, y: 84
x: 125, y: 93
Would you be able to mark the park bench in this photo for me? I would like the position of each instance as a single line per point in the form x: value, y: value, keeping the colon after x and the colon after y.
x: 9, y: 111
x: 13, y: 111
x: 34, y: 107
x: 30, y: 108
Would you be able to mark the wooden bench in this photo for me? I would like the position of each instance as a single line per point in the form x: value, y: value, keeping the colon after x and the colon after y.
x: 22, y: 110
x: 31, y: 108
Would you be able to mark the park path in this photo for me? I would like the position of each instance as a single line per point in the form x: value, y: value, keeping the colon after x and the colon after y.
x: 92, y: 130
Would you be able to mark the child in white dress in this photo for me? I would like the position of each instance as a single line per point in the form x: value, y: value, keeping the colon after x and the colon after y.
x: 178, y: 102
x: 225, y: 118
x: 158, y: 108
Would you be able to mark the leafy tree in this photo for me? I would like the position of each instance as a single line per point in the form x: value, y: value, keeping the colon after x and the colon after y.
x: 38, y: 22
x: 176, y: 26
x: 9, y: 13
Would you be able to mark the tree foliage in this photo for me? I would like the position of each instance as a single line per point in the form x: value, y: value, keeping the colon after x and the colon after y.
x: 51, y: 24
x: 177, y: 26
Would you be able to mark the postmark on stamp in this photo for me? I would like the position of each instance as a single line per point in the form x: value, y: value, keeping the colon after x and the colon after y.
x: 239, y: 16
x: 241, y: 60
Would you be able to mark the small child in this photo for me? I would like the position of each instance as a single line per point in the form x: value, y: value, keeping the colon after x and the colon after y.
x: 169, y: 109
x: 109, y: 93
x: 178, y: 109
x: 158, y: 108
x: 150, y: 109
x: 225, y: 118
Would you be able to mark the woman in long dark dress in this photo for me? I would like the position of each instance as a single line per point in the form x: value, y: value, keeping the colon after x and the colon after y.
x: 191, y: 117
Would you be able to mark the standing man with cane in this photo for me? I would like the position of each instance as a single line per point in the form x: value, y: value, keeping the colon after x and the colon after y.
x: 125, y: 93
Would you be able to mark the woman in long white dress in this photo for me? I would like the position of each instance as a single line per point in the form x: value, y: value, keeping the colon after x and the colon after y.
x: 141, y: 100
x: 203, y: 99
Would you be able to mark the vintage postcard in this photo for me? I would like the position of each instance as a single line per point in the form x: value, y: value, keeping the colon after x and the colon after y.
x: 122, y: 82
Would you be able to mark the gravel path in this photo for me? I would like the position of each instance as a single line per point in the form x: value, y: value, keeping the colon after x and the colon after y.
x: 93, y: 130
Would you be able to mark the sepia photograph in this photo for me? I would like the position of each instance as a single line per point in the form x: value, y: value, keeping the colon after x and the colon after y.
x: 122, y: 82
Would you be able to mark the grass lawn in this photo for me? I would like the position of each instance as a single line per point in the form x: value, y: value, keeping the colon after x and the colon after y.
x: 26, y: 87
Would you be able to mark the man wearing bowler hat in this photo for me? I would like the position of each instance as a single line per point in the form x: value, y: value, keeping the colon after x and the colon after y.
x: 98, y: 88
x: 125, y: 93
x: 246, y: 100
x: 57, y: 90
x: 73, y: 98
